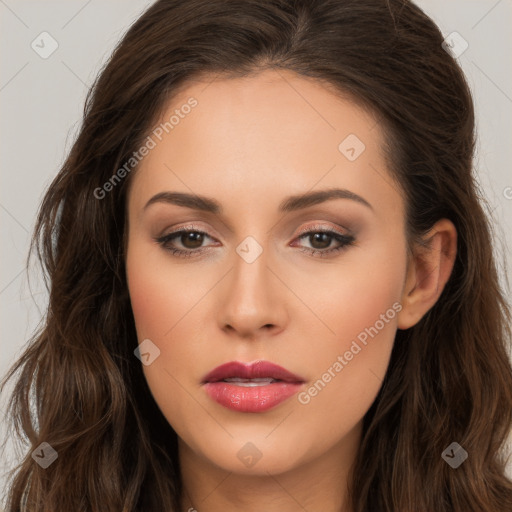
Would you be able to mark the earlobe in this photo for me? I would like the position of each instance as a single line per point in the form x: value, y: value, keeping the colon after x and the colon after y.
x: 428, y: 271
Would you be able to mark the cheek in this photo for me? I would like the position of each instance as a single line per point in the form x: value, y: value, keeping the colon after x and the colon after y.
x: 348, y: 373
x: 361, y: 311
x: 168, y: 301
x: 157, y: 301
x: 162, y: 301
x: 354, y: 294
x: 150, y: 298
x: 160, y: 293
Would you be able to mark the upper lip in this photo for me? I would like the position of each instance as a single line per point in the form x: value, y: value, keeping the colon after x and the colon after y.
x: 254, y: 370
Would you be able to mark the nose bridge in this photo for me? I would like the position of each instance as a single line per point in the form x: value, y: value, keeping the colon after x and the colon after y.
x: 249, y: 276
x: 252, y: 298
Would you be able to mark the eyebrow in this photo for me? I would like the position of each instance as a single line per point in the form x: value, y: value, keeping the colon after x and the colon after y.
x: 290, y: 204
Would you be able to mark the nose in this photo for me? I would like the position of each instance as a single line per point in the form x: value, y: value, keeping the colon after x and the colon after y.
x: 252, y: 300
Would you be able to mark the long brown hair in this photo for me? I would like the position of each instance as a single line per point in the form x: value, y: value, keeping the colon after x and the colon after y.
x: 79, y: 386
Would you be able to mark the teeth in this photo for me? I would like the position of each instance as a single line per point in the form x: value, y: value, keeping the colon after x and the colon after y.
x: 250, y: 382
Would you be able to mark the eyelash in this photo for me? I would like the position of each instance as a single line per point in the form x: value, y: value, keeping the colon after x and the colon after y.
x: 344, y: 240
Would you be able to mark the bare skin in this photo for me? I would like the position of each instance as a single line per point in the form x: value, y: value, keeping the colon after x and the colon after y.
x: 249, y: 144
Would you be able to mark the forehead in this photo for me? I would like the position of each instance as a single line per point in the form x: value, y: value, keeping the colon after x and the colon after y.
x: 260, y: 135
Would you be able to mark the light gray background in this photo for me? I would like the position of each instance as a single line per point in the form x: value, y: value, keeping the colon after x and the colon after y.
x: 41, y: 102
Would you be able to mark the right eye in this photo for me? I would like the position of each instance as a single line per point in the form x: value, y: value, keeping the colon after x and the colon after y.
x: 191, y: 241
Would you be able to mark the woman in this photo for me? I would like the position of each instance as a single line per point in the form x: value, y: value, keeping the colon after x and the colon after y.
x: 272, y: 282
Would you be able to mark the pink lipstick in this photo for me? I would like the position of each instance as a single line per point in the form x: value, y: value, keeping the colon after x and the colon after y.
x: 251, y: 387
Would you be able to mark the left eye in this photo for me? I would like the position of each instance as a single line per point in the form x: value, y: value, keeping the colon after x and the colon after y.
x: 191, y: 241
x: 321, y: 240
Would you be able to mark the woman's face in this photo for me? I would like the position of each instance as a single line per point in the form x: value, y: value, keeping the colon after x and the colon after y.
x: 263, y: 282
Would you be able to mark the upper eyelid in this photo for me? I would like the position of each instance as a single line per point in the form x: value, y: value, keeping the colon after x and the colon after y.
x: 305, y: 230
x: 317, y: 227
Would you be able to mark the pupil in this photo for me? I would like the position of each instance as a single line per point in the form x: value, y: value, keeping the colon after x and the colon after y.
x: 323, y: 238
x: 192, y: 240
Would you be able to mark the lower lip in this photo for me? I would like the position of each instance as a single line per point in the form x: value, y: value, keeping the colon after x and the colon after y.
x: 251, y: 399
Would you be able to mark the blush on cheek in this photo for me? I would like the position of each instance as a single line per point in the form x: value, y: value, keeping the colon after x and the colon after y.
x: 369, y: 330
x: 143, y: 306
x: 151, y: 293
x: 159, y: 288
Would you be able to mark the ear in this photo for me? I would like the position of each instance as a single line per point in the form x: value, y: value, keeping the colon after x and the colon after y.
x: 428, y: 270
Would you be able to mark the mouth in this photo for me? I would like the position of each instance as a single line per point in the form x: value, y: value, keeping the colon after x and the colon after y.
x: 255, y: 373
x: 250, y: 383
x: 252, y: 387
